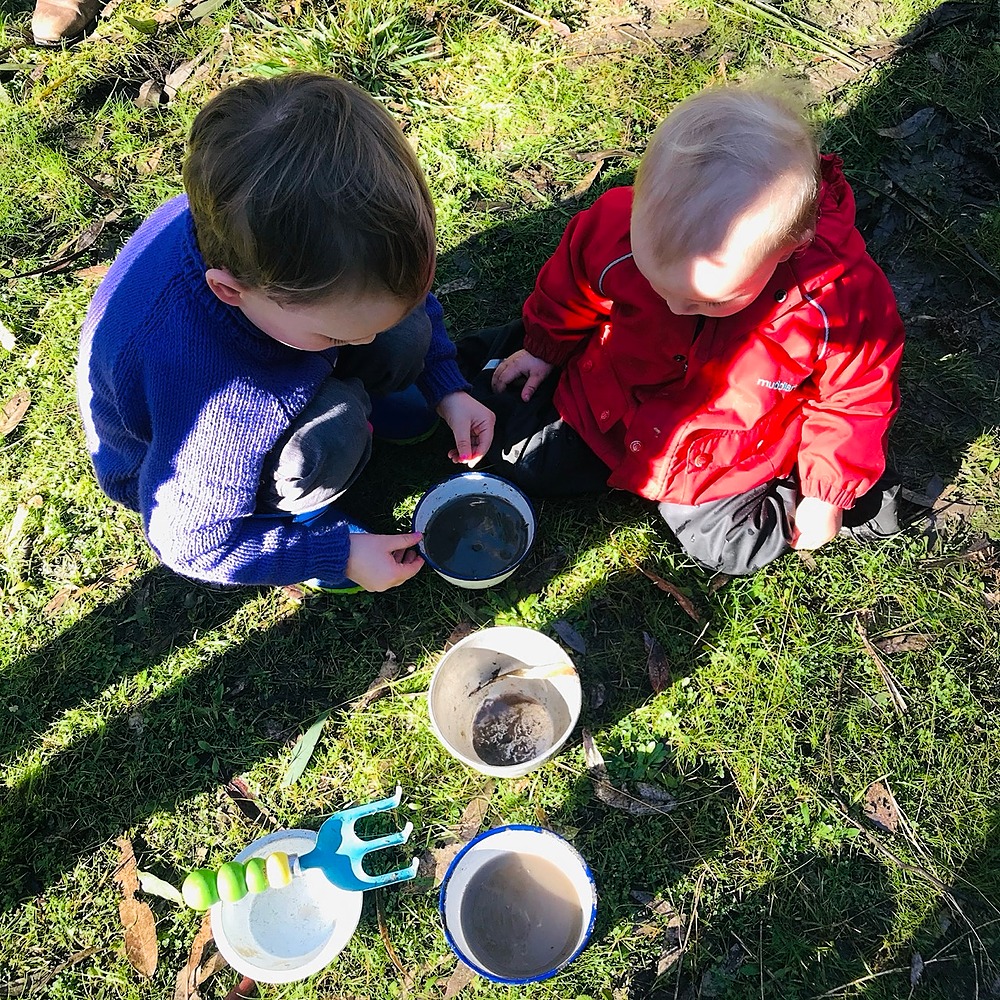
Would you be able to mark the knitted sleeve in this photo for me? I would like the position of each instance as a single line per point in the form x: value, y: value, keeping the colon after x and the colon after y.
x: 198, y: 487
x: 440, y: 375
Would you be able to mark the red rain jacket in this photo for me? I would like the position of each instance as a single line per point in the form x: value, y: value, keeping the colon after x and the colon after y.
x: 690, y: 409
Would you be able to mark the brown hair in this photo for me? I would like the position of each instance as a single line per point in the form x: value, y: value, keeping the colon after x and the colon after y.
x: 303, y: 187
x: 716, y: 155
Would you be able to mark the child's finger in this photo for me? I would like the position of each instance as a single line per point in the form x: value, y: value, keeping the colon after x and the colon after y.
x: 534, y: 381
x: 405, y: 541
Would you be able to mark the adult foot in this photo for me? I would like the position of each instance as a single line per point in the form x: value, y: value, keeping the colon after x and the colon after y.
x: 58, y: 22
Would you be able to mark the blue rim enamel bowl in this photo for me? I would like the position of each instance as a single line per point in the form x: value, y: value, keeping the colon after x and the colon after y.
x: 522, y: 840
x: 477, y: 484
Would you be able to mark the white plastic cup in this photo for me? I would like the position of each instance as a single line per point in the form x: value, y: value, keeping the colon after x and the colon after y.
x: 523, y: 916
x: 461, y: 686
x: 474, y: 484
x: 282, y: 935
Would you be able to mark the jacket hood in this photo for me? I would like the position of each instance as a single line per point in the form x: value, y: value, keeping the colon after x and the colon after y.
x: 837, y: 245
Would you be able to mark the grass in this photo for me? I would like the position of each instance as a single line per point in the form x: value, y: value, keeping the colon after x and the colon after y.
x: 131, y: 696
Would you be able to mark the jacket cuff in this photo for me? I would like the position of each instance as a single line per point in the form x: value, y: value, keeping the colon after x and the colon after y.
x: 842, y: 497
x: 545, y: 349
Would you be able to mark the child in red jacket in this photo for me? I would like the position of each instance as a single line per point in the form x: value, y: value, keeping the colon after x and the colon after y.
x: 715, y: 339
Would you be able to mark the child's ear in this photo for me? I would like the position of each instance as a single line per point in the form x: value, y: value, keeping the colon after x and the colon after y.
x: 225, y: 287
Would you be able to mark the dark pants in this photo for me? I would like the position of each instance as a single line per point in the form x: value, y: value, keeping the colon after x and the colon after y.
x: 327, y: 445
x: 535, y: 448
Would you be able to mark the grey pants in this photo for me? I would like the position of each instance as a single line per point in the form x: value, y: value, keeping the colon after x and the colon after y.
x: 327, y: 445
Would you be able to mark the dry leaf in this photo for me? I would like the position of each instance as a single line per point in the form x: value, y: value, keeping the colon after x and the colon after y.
x: 654, y: 801
x: 239, y: 791
x: 458, y: 633
x: 434, y: 864
x: 215, y: 963
x: 570, y: 636
x: 657, y: 664
x: 685, y: 27
x: 153, y: 885
x: 598, y: 695
x: 475, y: 812
x: 880, y: 807
x: 59, y: 599
x: 16, y: 525
x: 458, y: 980
x: 137, y: 919
x: 675, y: 592
x: 185, y: 984
x: 914, y: 643
x: 149, y: 95
x: 388, y: 672
x: 587, y: 182
x: 910, y: 127
x: 916, y: 968
x: 94, y: 273
x: 13, y: 411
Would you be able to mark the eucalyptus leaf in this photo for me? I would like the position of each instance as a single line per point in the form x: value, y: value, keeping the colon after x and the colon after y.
x: 147, y: 27
x: 152, y: 885
x: 205, y: 8
x: 303, y: 750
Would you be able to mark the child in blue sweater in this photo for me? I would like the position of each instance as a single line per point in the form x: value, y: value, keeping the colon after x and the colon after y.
x: 231, y: 358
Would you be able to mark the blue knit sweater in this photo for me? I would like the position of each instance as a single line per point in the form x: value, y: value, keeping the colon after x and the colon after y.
x: 182, y: 397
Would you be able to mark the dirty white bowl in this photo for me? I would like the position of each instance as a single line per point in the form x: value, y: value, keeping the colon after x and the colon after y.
x: 544, y: 709
x: 473, y: 484
x: 281, y: 935
x: 533, y: 941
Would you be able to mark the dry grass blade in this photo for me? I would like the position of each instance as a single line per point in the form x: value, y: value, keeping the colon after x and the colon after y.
x: 383, y: 930
x: 675, y: 592
x: 891, y: 684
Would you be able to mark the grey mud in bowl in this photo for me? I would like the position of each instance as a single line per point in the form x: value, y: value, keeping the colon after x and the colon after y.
x: 514, y: 718
x: 475, y: 537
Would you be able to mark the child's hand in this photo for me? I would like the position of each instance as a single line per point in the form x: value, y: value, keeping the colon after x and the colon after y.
x: 381, y: 562
x: 472, y: 424
x: 518, y: 364
x: 816, y: 522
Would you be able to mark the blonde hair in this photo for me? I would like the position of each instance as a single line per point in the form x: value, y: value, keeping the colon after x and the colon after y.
x: 715, y: 156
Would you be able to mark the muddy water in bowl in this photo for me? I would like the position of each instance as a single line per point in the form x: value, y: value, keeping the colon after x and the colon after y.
x: 476, y: 537
x: 521, y: 915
